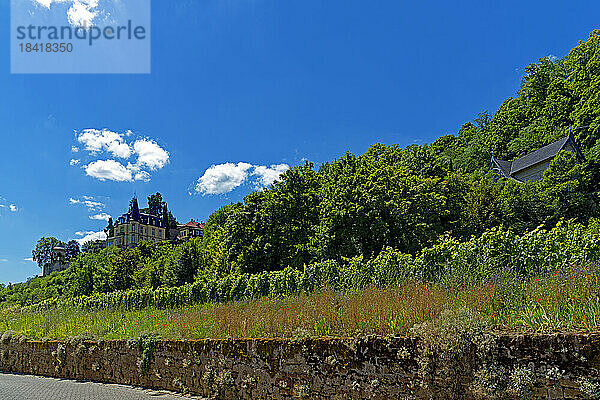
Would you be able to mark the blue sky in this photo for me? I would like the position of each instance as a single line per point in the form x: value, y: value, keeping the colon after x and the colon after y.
x: 252, y: 87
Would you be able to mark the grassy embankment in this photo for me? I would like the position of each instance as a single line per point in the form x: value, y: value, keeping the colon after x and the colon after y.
x: 565, y: 300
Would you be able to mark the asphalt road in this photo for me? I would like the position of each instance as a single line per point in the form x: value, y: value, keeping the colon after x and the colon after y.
x: 27, y: 387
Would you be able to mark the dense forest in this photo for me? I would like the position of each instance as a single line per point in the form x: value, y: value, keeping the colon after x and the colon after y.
x: 407, y: 199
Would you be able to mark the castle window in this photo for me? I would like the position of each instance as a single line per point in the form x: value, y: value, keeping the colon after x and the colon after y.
x: 153, y: 233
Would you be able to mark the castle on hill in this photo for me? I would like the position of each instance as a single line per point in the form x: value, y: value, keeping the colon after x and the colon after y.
x: 135, y: 226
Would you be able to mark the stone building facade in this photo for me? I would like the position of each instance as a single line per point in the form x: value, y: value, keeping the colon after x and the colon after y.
x: 134, y: 226
x: 59, y: 261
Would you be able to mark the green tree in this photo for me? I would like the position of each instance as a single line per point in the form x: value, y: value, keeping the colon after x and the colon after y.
x: 155, y: 204
x: 167, y: 222
x: 214, y: 258
x: 566, y: 188
x: 122, y: 270
x: 82, y: 275
x: 187, y: 263
x: 385, y: 197
x: 72, y: 249
x: 272, y: 229
x: 42, y: 254
x: 110, y: 229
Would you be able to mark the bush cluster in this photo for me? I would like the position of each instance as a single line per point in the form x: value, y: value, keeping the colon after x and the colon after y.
x: 497, y: 256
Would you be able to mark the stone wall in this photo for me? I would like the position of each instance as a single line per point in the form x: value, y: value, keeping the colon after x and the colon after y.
x: 560, y: 366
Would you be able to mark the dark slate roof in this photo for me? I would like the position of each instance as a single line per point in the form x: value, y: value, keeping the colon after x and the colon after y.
x: 147, y: 219
x: 510, y: 168
x: 538, y: 156
x: 150, y: 219
x: 504, y: 166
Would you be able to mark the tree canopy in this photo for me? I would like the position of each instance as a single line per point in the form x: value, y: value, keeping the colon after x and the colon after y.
x: 389, y: 197
x: 42, y: 254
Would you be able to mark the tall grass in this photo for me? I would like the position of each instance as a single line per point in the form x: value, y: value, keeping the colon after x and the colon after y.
x: 564, y: 300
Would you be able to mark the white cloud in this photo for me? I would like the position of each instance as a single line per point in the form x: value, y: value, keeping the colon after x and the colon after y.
x: 144, y: 155
x: 93, y: 205
x: 6, y: 205
x: 121, y: 150
x: 90, y: 237
x: 28, y: 259
x: 89, y: 202
x: 142, y: 176
x: 150, y: 154
x: 3, y: 260
x: 80, y: 233
x: 268, y: 175
x: 108, y: 169
x: 100, y: 217
x: 45, y: 3
x: 96, y: 140
x: 80, y: 13
x: 223, y: 178
x: 74, y: 162
x: 74, y: 149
